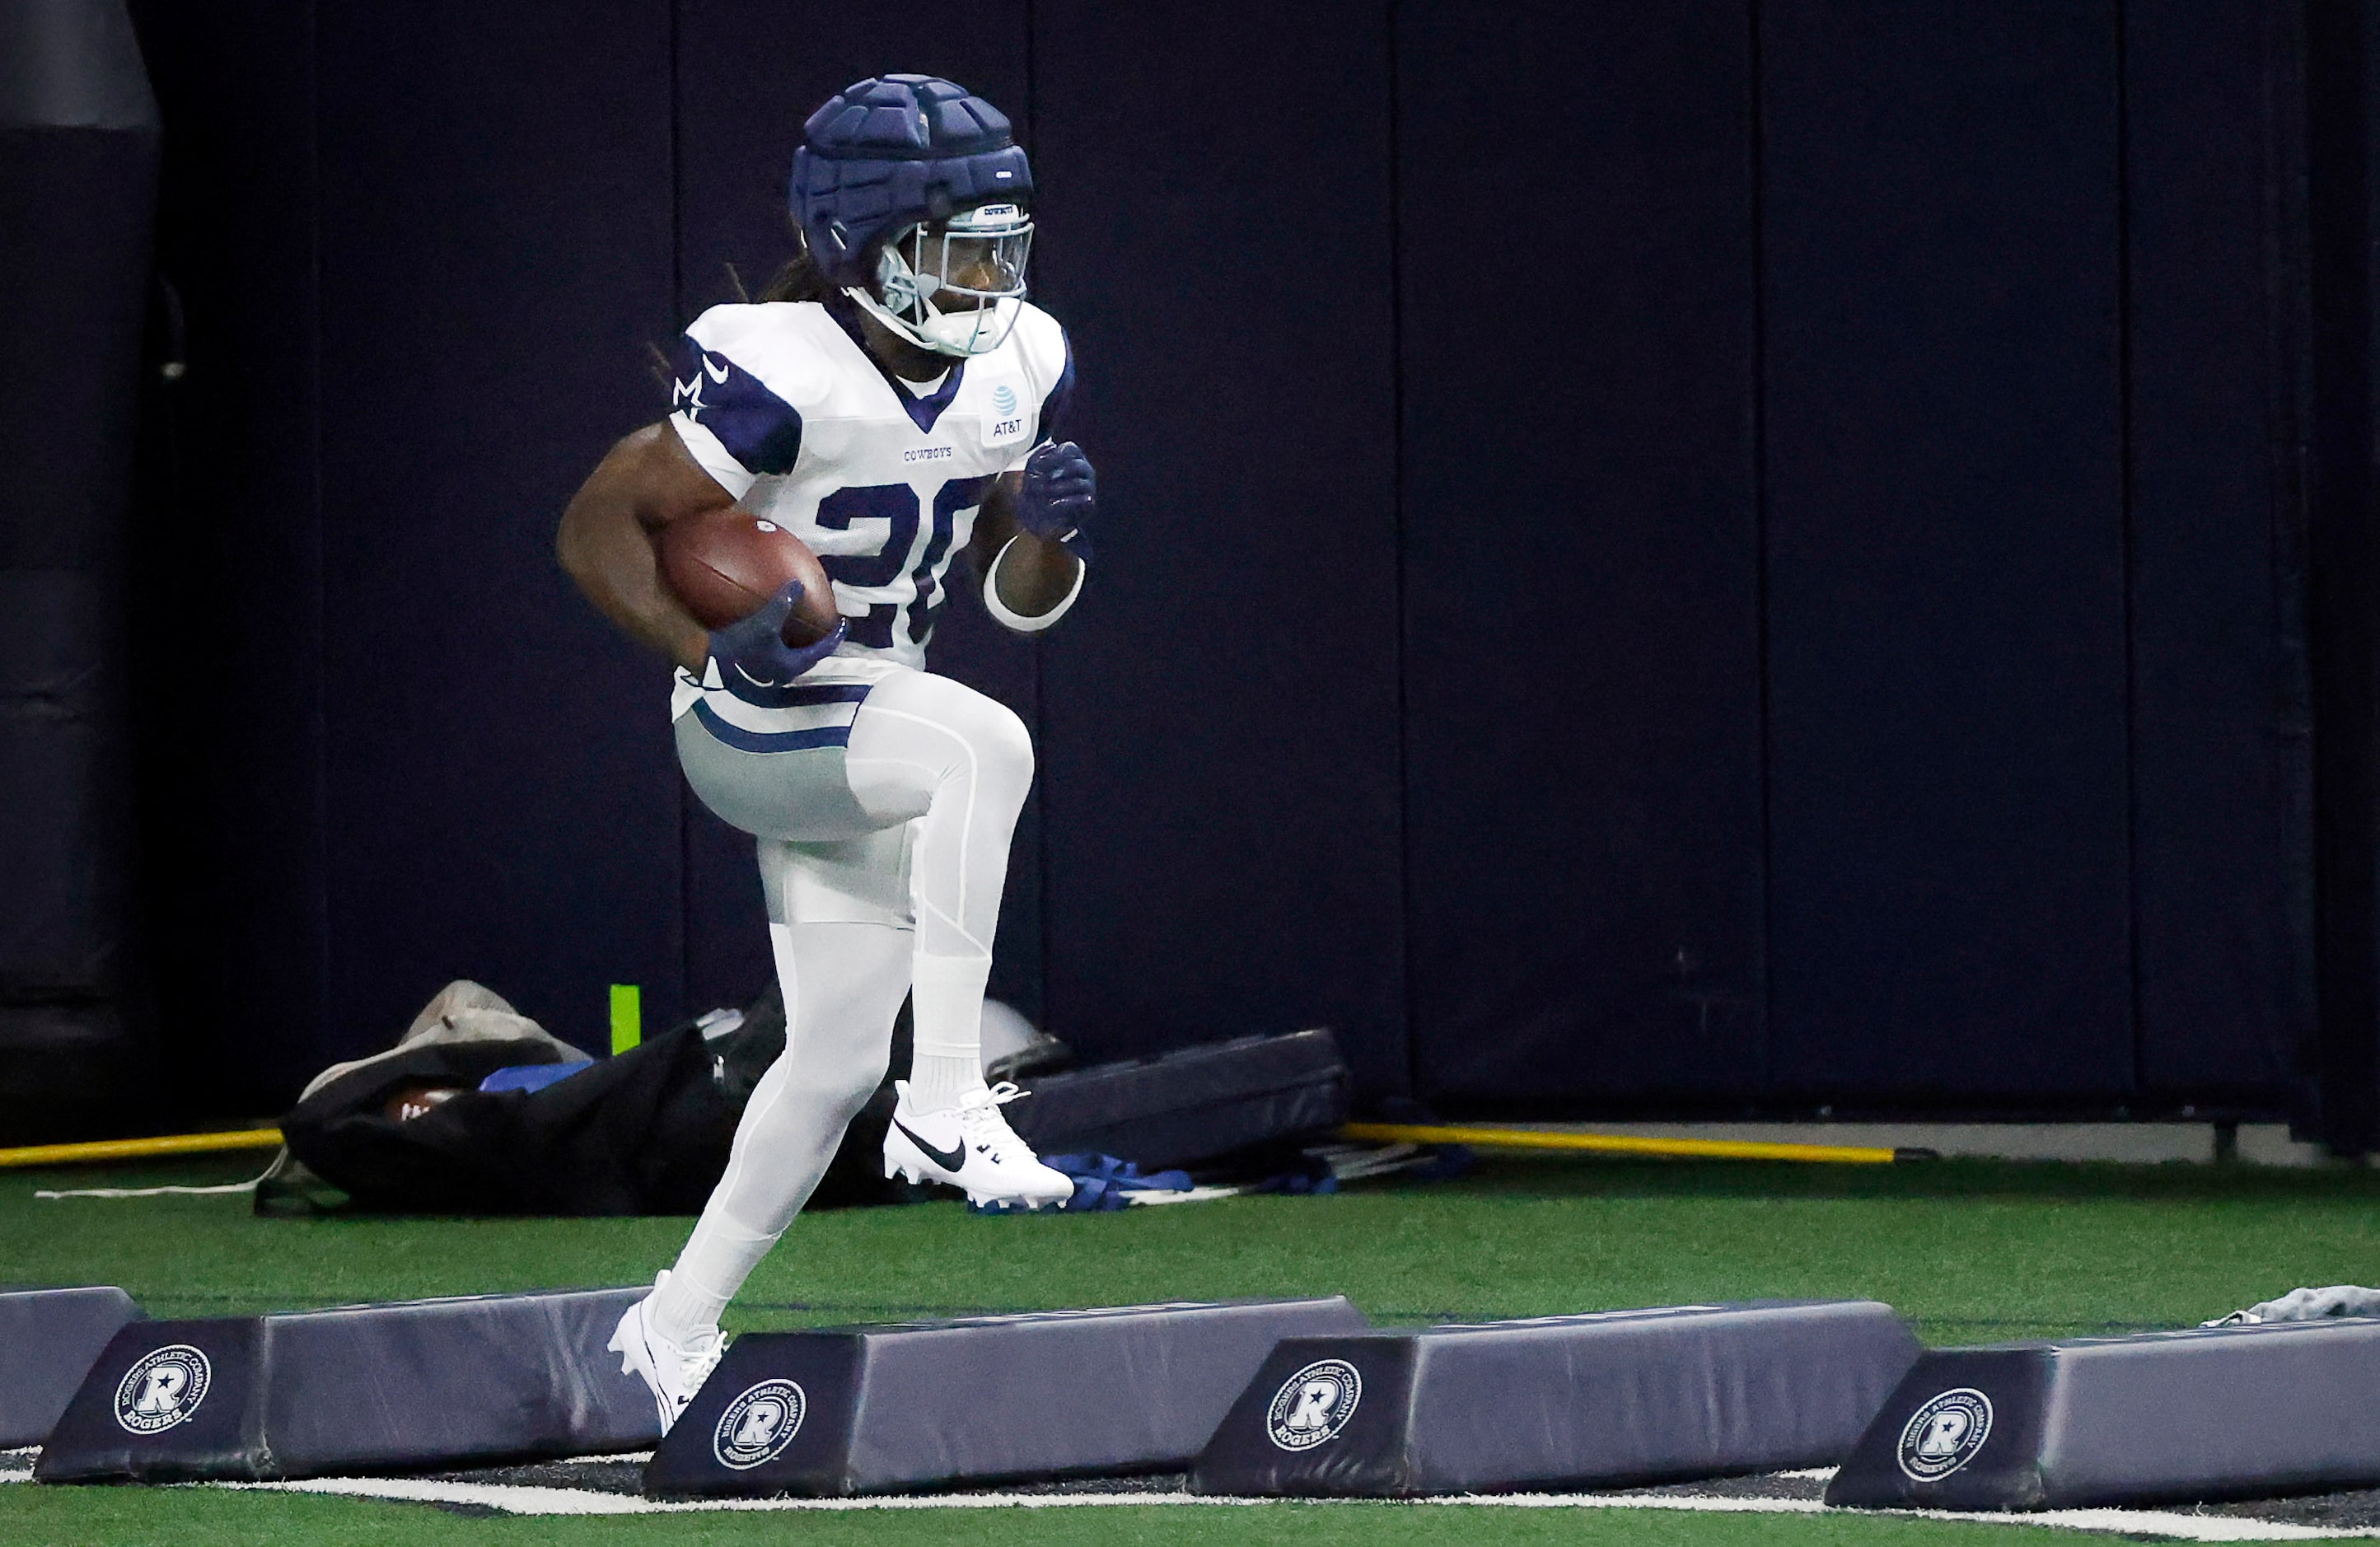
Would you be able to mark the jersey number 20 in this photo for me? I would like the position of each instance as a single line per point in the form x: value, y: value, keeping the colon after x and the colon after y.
x: 895, y: 504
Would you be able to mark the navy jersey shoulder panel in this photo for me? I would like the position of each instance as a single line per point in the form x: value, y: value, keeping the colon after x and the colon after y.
x: 759, y: 430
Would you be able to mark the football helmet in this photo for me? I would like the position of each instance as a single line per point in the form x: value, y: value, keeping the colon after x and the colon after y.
x: 911, y: 196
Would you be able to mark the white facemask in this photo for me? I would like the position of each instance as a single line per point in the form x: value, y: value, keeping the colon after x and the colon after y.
x: 977, y: 257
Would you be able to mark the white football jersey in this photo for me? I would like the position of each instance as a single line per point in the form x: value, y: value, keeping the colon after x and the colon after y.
x: 780, y: 403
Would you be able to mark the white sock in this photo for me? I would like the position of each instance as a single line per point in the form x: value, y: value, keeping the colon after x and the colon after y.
x: 718, y: 1258
x: 946, y: 1014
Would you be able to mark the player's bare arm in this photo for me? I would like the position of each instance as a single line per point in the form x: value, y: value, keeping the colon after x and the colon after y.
x: 605, y: 542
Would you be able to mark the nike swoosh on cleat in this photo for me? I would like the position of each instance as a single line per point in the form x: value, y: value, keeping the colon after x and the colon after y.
x: 949, y: 1160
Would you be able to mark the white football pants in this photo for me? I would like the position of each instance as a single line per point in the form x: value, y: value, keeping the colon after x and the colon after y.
x: 883, y: 862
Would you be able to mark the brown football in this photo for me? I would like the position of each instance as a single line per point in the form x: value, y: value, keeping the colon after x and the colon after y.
x: 724, y: 564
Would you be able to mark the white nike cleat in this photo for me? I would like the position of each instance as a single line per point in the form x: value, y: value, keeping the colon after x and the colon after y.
x: 970, y: 1146
x: 672, y: 1371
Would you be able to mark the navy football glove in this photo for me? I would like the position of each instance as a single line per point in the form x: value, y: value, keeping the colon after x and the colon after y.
x: 1060, y: 494
x: 756, y: 664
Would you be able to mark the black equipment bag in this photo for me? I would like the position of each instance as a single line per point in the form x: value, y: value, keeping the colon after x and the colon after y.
x: 646, y: 1131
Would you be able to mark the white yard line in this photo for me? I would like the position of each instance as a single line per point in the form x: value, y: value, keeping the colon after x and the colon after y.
x: 529, y: 1500
x: 2131, y: 1522
x: 2185, y: 1528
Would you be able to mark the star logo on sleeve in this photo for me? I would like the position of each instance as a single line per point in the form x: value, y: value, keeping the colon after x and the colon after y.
x: 686, y: 397
x: 760, y: 432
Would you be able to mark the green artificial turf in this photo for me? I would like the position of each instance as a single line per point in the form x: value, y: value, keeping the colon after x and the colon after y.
x: 1971, y: 1251
x: 206, y: 1518
x: 193, y: 1517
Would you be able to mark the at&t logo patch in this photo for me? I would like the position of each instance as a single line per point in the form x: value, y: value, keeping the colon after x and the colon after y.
x: 758, y: 1424
x: 162, y: 1387
x: 1314, y: 1404
x: 1944, y: 1433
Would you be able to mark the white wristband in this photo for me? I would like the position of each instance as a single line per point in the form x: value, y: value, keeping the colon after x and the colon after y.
x: 1018, y: 623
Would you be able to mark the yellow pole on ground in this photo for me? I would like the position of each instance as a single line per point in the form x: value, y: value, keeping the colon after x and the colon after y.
x: 1627, y: 1143
x: 141, y: 1149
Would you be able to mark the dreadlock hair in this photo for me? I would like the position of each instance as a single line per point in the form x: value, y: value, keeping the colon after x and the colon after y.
x: 799, y: 279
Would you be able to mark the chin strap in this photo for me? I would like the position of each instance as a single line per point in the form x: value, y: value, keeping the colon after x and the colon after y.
x: 1018, y: 622
x: 984, y: 340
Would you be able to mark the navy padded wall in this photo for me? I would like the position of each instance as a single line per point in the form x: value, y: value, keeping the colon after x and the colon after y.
x: 1219, y: 725
x: 413, y: 752
x: 496, y: 252
x: 1582, y: 678
x: 232, y: 750
x: 1945, y: 550
x: 2220, y: 826
x: 740, y: 106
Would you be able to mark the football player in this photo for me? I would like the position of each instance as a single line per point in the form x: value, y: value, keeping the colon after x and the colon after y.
x: 891, y: 400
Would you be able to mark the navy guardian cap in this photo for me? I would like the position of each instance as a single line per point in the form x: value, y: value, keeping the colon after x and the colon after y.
x: 894, y: 152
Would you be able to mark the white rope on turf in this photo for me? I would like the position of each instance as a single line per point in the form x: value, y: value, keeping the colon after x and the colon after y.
x: 144, y: 1192
x: 248, y: 1186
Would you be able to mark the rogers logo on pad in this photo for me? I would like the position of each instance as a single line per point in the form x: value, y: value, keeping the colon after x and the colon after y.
x: 164, y: 1387
x: 1944, y: 1433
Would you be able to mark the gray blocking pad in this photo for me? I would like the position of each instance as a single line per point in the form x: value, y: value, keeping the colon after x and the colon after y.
x: 924, y: 1404
x: 2209, y: 1413
x: 48, y: 1338
x: 1619, y: 1397
x: 361, y: 1388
